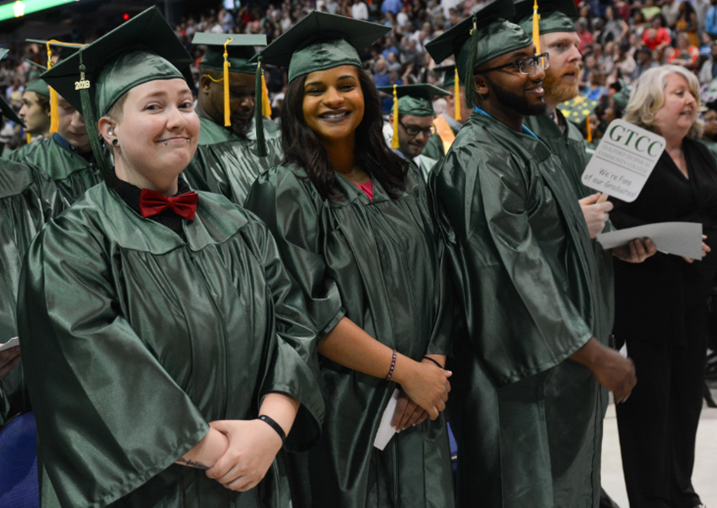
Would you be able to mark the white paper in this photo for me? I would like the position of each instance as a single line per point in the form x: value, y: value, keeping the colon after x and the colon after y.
x: 678, y: 238
x: 623, y: 350
x: 14, y: 342
x: 385, y: 431
x: 623, y: 160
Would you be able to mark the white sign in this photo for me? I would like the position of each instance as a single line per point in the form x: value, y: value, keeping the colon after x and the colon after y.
x: 623, y: 161
x: 385, y: 431
x: 14, y: 342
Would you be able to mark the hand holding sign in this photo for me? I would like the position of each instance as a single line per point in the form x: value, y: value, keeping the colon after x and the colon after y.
x: 623, y: 161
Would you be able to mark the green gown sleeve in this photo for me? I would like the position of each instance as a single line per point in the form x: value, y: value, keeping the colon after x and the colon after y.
x: 101, y: 398
x: 487, y: 209
x: 297, y: 234
x: 293, y: 367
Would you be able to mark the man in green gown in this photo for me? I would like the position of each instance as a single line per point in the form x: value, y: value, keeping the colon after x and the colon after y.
x: 451, y: 120
x: 139, y: 331
x: 525, y: 269
x: 414, y: 124
x: 66, y: 156
x: 36, y: 109
x: 28, y: 199
x: 231, y: 156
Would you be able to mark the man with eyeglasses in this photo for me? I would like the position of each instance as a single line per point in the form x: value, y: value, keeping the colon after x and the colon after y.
x: 522, y: 260
x: 412, y: 121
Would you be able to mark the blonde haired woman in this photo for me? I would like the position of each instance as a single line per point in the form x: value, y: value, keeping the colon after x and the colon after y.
x: 661, y: 304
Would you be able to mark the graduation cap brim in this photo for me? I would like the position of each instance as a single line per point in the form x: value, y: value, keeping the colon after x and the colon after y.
x: 421, y: 91
x: 449, y: 75
x: 313, y: 30
x: 67, y: 49
x: 240, y: 51
x: 555, y: 15
x: 148, y: 30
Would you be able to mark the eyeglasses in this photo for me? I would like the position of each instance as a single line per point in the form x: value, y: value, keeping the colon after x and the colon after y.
x: 524, y: 65
x: 412, y: 130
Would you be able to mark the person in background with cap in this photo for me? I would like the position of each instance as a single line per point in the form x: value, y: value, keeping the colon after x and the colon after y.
x: 643, y: 58
x: 67, y: 155
x: 412, y: 122
x: 709, y: 134
x: 513, y: 225
x: 451, y: 120
x: 161, y: 335
x: 353, y: 226
x: 236, y: 142
x: 35, y: 110
x: 28, y: 199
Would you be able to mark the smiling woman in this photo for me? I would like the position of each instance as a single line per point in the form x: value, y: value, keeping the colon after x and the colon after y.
x: 185, y: 343
x: 353, y: 225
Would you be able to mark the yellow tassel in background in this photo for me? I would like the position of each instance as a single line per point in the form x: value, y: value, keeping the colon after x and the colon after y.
x: 28, y: 136
x: 588, y: 130
x: 227, y: 106
x: 457, y: 95
x: 265, y: 104
x: 394, y: 141
x: 536, y: 28
x: 54, y: 107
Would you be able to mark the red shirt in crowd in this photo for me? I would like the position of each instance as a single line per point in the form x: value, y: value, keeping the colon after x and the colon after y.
x: 661, y: 35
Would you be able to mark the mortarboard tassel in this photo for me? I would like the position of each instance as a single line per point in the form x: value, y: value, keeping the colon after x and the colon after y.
x: 588, y: 130
x: 91, y: 123
x: 394, y: 140
x: 265, y: 104
x: 536, y: 27
x: 28, y: 136
x: 227, y: 105
x: 258, y: 106
x: 472, y: 55
x: 457, y: 95
x: 54, y: 107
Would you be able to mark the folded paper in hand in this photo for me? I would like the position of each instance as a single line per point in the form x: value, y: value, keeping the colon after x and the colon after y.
x: 385, y: 431
x: 678, y: 238
x: 14, y: 342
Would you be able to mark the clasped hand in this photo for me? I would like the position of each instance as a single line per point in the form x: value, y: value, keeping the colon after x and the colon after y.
x: 9, y: 360
x: 253, y: 445
x: 424, y: 394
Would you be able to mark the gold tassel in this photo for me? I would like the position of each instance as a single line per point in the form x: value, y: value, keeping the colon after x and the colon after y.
x: 536, y: 28
x: 457, y: 94
x: 28, y: 136
x: 54, y: 106
x: 227, y: 106
x: 265, y: 104
x: 589, y: 134
x: 394, y: 141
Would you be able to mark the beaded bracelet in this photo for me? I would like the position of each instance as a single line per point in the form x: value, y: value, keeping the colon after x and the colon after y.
x: 432, y: 360
x: 275, y: 426
x: 393, y: 366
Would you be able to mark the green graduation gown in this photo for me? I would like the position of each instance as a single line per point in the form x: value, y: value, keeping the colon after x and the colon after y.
x: 380, y: 264
x: 72, y: 173
x: 134, y: 339
x: 230, y: 167
x: 524, y: 266
x: 28, y: 199
x: 434, y: 147
x: 211, y: 133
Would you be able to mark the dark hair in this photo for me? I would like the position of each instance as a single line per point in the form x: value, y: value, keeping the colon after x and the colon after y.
x: 302, y: 146
x: 44, y: 102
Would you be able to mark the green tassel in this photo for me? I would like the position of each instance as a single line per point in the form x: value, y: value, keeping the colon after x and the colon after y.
x: 468, y: 78
x: 91, y: 123
x: 258, y: 113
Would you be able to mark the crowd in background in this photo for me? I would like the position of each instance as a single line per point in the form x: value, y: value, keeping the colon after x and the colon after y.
x: 619, y: 41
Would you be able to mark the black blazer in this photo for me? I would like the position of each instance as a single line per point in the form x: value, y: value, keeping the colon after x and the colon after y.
x: 653, y: 298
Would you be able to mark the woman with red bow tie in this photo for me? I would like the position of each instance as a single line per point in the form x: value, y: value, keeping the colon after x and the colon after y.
x: 160, y: 332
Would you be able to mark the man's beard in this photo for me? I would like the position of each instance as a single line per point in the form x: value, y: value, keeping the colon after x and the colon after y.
x: 240, y: 128
x: 519, y: 103
x: 558, y: 90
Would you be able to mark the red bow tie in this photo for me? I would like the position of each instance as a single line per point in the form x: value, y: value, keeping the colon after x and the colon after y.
x: 152, y: 203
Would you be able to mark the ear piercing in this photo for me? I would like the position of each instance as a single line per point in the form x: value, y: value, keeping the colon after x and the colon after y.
x: 115, y: 141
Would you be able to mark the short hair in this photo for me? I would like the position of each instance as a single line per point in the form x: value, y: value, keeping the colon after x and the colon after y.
x: 649, y: 96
